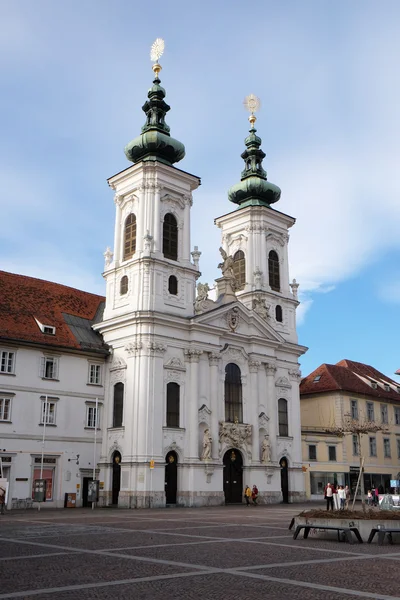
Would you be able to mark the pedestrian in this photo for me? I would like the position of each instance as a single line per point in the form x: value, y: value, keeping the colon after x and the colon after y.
x: 376, y: 494
x: 347, y: 490
x: 370, y: 499
x: 2, y: 499
x: 254, y: 495
x: 247, y: 495
x: 342, y: 497
x: 328, y: 495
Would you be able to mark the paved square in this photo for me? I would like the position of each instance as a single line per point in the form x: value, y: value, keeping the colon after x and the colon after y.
x: 186, y: 554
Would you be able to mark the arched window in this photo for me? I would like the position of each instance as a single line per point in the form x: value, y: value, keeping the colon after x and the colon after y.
x: 278, y: 313
x: 118, y: 411
x: 170, y: 237
x: 239, y: 269
x: 173, y: 404
x: 233, y: 394
x: 273, y: 271
x: 283, y: 417
x: 129, y: 236
x: 123, y: 286
x: 173, y: 285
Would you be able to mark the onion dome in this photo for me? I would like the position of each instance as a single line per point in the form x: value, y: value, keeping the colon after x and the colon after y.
x: 155, y: 142
x: 253, y: 189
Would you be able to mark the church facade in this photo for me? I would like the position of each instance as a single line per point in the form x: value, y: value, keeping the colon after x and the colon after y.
x: 201, y: 395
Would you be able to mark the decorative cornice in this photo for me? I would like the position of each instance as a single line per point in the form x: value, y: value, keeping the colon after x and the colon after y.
x: 175, y: 364
x: 276, y: 237
x: 283, y: 382
x: 154, y: 347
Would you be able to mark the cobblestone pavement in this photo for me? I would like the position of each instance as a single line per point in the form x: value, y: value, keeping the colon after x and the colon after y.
x: 219, y: 553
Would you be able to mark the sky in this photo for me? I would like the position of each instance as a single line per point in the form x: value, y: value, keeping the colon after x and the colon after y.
x: 73, y: 78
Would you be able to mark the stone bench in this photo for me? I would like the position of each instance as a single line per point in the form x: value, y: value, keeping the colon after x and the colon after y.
x: 346, y: 530
x: 382, y: 532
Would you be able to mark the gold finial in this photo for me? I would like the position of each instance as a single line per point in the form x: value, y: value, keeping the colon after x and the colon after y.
x: 157, y: 50
x: 252, y: 105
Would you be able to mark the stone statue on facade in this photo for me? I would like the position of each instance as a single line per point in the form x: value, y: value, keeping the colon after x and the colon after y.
x: 202, y: 292
x: 207, y: 445
x: 227, y: 266
x: 265, y: 451
x: 202, y: 302
x: 261, y: 307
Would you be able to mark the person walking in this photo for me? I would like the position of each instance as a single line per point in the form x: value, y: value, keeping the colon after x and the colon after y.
x: 254, y: 495
x: 376, y: 496
x: 2, y: 500
x: 347, y: 491
x: 342, y: 497
x: 328, y: 494
x: 247, y: 495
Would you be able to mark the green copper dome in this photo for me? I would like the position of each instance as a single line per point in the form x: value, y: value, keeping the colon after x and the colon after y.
x: 155, y: 142
x: 254, y: 189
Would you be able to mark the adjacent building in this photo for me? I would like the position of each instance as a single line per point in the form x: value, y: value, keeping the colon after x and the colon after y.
x: 52, y: 370
x: 331, y: 395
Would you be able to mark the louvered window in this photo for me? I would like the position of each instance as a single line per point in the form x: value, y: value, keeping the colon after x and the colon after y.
x: 239, y: 269
x: 170, y: 237
x: 129, y: 236
x: 273, y: 271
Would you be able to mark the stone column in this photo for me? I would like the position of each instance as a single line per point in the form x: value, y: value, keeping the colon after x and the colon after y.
x: 186, y: 229
x: 157, y: 219
x: 140, y: 219
x: 193, y: 356
x: 254, y: 366
x: 250, y: 259
x: 214, y: 360
x: 270, y: 369
x: 118, y: 229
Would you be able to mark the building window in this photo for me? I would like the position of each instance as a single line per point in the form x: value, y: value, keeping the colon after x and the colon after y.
x: 48, y: 412
x: 398, y: 448
x: 332, y: 453
x: 7, y: 361
x: 278, y: 313
x: 397, y: 415
x: 123, y: 285
x: 170, y: 237
x: 173, y: 397
x: 49, y: 367
x: 354, y: 409
x: 5, y: 409
x: 173, y: 285
x: 233, y: 394
x: 370, y: 411
x: 386, y: 448
x: 239, y: 269
x: 384, y: 414
x: 283, y: 417
x: 129, y: 236
x: 95, y: 374
x: 48, y: 471
x: 312, y: 452
x: 118, y: 408
x: 92, y: 417
x: 355, y: 445
x: 273, y: 271
x: 372, y: 446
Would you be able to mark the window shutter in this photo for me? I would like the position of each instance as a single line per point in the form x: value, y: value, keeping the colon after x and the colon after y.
x: 42, y: 366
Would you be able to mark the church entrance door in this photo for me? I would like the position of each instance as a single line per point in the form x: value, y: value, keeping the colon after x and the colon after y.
x: 116, y: 476
x: 233, y: 476
x: 171, y: 477
x: 284, y: 479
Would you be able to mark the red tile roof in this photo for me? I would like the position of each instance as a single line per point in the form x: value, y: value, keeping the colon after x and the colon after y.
x: 24, y: 298
x: 344, y: 377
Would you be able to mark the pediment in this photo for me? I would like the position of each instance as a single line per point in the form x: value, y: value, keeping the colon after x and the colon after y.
x: 237, y: 318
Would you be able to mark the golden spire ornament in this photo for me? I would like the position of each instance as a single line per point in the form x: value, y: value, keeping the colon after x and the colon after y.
x: 252, y: 105
x: 157, y: 50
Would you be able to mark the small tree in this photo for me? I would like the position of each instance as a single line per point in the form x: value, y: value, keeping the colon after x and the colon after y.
x: 360, y: 428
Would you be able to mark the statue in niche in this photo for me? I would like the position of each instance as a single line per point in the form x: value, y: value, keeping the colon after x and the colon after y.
x: 265, y: 451
x: 207, y: 445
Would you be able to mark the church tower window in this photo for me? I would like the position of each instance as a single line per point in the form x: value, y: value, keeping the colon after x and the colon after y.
x: 239, y: 269
x: 129, y: 236
x: 273, y: 271
x: 123, y: 286
x: 173, y: 393
x: 278, y: 313
x: 283, y: 417
x: 118, y: 409
x: 170, y: 237
x: 233, y: 394
x: 173, y: 285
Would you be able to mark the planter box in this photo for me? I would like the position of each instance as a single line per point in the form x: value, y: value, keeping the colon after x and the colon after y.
x: 364, y: 526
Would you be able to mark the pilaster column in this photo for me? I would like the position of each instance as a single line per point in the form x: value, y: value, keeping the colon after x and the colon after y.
x: 250, y: 258
x: 186, y: 229
x: 117, y: 231
x: 270, y: 369
x: 254, y: 366
x: 140, y: 219
x: 214, y: 360
x: 192, y: 356
x: 157, y: 219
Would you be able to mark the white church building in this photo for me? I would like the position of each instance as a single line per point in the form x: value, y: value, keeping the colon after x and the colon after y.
x: 201, y: 395
x: 188, y: 398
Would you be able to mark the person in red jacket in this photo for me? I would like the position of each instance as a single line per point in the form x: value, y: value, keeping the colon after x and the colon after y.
x: 254, y: 495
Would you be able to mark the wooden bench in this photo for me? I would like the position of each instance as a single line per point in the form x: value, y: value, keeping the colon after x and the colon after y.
x: 346, y: 530
x: 382, y: 532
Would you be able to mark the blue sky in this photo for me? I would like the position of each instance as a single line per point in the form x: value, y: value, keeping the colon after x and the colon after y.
x: 75, y: 74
